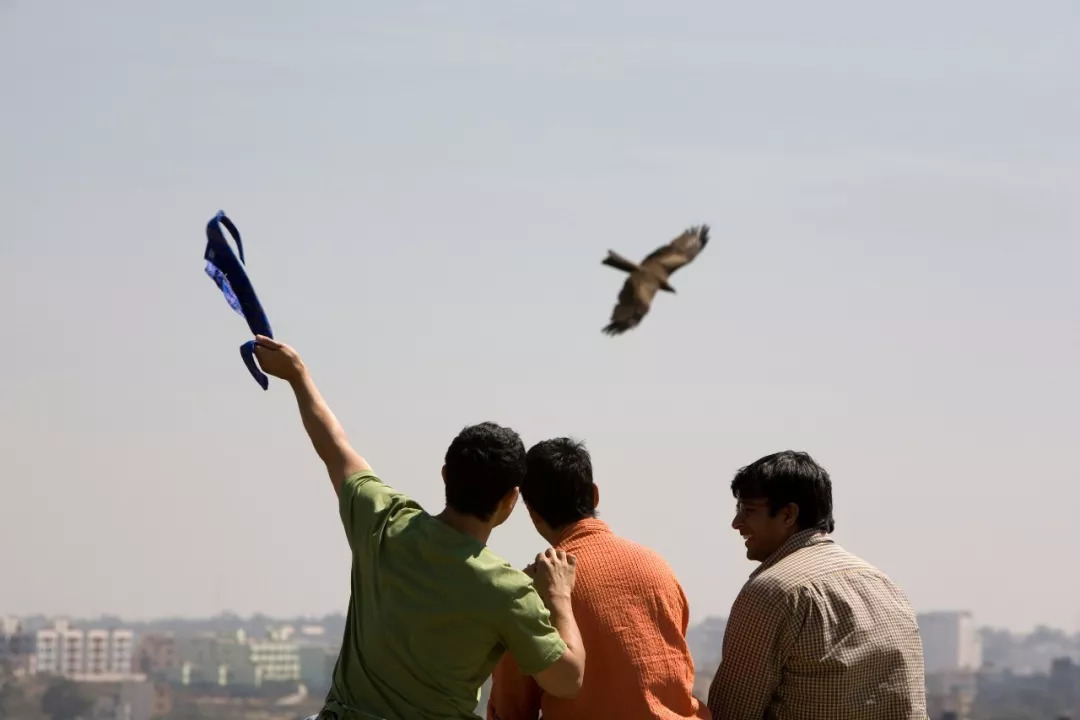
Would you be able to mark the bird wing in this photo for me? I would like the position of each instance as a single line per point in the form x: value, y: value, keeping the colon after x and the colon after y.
x: 634, y: 299
x: 680, y: 251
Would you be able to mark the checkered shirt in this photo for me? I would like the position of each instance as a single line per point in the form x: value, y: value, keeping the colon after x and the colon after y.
x: 818, y: 634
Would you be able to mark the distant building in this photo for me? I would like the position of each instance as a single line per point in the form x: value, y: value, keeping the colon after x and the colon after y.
x: 16, y: 645
x: 1004, y: 694
x: 313, y: 633
x: 951, y: 694
x: 950, y: 642
x: 155, y: 654
x: 706, y: 643
x: 317, y: 665
x: 236, y: 660
x: 84, y: 654
x: 1065, y: 682
x: 144, y: 701
x: 129, y: 700
x: 14, y: 642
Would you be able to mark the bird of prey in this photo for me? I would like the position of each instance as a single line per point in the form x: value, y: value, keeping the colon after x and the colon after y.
x: 651, y: 275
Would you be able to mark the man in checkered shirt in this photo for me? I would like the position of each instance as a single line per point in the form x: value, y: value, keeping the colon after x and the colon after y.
x: 816, y: 633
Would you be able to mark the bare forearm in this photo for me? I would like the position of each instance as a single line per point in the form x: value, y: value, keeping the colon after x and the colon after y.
x: 562, y: 617
x: 326, y: 433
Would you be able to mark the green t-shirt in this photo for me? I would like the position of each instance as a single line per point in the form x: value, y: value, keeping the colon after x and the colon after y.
x: 431, y: 613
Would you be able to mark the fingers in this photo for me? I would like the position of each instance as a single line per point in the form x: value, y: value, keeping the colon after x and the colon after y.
x: 552, y: 556
x: 263, y: 341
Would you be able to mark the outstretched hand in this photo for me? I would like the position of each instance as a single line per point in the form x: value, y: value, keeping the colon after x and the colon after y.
x: 278, y: 359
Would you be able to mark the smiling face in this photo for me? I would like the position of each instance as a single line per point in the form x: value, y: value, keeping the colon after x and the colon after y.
x: 763, y: 533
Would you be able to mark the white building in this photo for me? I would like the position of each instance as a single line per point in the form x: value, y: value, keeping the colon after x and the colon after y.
x: 72, y: 651
x: 63, y: 650
x: 121, y: 651
x: 237, y: 660
x: 47, y: 652
x: 97, y: 652
x: 950, y: 641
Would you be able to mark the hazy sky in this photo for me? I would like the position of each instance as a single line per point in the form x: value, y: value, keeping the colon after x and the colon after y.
x: 427, y: 189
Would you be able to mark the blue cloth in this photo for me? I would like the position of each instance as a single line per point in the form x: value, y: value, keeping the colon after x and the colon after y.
x: 230, y: 275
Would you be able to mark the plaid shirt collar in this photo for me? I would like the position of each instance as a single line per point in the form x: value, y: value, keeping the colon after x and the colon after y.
x: 798, y: 541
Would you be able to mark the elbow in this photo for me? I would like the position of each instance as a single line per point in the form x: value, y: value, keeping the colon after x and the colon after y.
x: 565, y: 677
x: 570, y: 683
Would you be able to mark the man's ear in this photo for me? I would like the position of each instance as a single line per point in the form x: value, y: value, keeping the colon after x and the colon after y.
x: 509, y: 501
x: 790, y: 514
x: 595, y: 496
x: 444, y: 473
x: 505, y: 507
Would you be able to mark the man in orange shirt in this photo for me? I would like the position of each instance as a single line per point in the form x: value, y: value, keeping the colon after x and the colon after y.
x: 630, y: 608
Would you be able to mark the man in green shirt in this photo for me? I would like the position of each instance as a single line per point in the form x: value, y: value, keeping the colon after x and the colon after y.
x: 432, y: 609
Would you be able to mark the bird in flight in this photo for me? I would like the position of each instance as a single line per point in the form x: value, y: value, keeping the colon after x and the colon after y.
x: 651, y: 275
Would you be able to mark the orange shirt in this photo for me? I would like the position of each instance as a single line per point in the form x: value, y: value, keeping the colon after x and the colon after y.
x: 633, y: 615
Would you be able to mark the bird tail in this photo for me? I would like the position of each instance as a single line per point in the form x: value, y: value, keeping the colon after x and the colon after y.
x: 618, y: 262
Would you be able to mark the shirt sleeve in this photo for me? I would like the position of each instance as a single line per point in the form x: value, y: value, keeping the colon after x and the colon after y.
x: 365, y: 505
x: 757, y: 640
x: 527, y: 632
x: 513, y: 696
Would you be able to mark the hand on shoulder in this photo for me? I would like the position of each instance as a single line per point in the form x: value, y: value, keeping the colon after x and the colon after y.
x: 554, y: 573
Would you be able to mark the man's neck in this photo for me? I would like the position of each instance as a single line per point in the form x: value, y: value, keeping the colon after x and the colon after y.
x: 554, y: 535
x: 469, y: 525
x: 551, y: 536
x: 806, y: 537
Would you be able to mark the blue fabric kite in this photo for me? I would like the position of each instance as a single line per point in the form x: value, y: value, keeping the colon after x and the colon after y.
x: 229, y: 275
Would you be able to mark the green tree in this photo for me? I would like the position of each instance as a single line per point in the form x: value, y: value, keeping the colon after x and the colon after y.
x: 8, y: 691
x: 63, y: 700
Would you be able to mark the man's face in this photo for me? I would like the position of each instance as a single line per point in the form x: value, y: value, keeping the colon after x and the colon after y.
x: 763, y: 534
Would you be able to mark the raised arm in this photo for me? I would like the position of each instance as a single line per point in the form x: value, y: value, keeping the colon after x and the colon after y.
x: 326, y: 434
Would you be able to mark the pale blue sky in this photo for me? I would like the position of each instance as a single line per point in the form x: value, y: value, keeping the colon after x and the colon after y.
x: 426, y: 191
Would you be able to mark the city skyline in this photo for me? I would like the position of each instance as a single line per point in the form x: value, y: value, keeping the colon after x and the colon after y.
x: 121, y: 621
x: 969, y: 675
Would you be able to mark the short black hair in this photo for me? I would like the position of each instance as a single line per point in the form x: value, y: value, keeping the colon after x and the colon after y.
x: 483, y: 463
x: 789, y: 477
x: 559, y: 481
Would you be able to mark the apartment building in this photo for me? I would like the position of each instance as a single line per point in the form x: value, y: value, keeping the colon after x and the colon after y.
x: 950, y: 641
x: 84, y: 654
